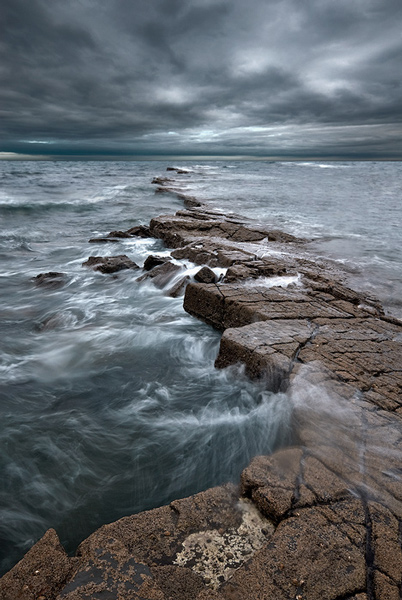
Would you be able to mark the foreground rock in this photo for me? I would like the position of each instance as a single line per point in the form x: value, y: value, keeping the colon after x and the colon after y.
x: 311, y: 537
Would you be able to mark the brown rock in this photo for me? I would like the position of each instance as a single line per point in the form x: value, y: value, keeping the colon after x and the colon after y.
x: 385, y: 543
x: 385, y: 588
x: 205, y: 275
x: 110, y: 264
x: 118, y: 234
x: 161, y: 274
x: 153, y: 261
x: 43, y: 571
x: 309, y: 556
x: 266, y: 348
x: 179, y: 288
x: 178, y: 583
x: 271, y: 481
x: 139, y: 231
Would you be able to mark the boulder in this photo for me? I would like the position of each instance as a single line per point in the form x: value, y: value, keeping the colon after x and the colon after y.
x: 153, y: 261
x: 161, y: 274
x: 110, y: 264
x: 205, y: 275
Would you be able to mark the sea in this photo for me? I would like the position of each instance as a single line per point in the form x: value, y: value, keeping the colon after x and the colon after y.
x: 110, y: 403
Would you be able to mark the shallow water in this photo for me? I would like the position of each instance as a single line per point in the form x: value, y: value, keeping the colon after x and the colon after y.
x: 110, y: 403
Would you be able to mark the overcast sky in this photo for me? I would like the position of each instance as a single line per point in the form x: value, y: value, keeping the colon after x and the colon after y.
x: 277, y: 78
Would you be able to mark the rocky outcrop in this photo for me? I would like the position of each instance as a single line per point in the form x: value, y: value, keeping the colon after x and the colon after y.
x: 297, y: 530
x: 319, y: 521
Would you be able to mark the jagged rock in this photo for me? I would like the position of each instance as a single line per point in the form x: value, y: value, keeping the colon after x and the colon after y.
x: 161, y: 274
x: 52, y: 279
x: 113, y: 236
x: 178, y: 230
x: 104, y: 240
x: 179, y: 288
x: 42, y: 573
x: 271, y: 482
x: 139, y: 231
x: 118, y: 234
x: 153, y: 261
x: 110, y: 264
x: 189, y: 201
x: 205, y: 275
x: 234, y: 305
x: 255, y: 269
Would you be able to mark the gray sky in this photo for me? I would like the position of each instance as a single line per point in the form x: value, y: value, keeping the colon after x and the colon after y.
x: 277, y: 78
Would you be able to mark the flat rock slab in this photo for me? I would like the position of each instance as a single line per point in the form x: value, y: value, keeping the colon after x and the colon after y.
x: 267, y: 349
x: 234, y: 305
x: 181, y: 229
x: 363, y: 353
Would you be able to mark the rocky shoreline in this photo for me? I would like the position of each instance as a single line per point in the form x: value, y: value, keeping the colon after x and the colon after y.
x: 321, y: 520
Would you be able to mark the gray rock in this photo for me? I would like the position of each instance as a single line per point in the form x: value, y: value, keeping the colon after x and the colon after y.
x: 52, y: 279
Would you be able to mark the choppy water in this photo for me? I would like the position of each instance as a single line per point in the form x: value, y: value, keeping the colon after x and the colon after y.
x: 109, y: 401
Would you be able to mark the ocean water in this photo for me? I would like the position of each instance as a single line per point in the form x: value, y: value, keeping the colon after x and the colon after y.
x: 109, y: 400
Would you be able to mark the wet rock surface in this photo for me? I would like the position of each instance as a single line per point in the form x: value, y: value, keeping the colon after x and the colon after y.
x: 110, y: 264
x: 161, y: 274
x: 319, y: 521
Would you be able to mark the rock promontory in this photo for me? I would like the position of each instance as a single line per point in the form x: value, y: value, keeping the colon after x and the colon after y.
x: 320, y: 520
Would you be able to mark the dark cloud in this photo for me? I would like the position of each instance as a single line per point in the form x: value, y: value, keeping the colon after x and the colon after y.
x: 277, y: 77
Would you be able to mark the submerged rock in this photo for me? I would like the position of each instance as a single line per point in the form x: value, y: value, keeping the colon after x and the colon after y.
x: 52, y: 279
x: 110, y: 264
x: 178, y: 171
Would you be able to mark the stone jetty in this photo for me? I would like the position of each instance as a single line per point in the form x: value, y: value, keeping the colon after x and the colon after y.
x: 321, y: 520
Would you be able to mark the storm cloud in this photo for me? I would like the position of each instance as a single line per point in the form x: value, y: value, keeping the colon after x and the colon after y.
x: 277, y: 78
